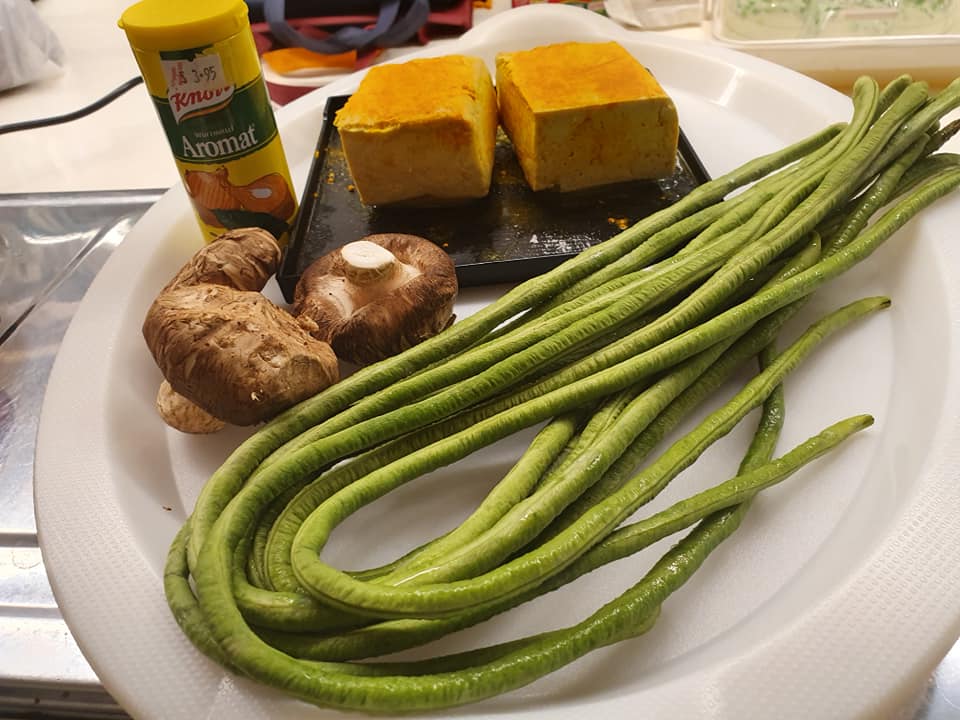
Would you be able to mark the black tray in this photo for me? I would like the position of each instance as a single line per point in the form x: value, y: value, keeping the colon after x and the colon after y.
x: 511, y: 234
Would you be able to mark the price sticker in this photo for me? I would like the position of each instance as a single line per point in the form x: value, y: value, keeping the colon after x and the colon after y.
x: 196, y: 87
x: 205, y: 72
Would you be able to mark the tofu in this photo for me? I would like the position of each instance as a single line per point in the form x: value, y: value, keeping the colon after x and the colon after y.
x: 421, y: 132
x: 585, y: 114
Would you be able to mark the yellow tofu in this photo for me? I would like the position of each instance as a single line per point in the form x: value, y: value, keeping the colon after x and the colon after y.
x: 421, y: 132
x: 585, y: 114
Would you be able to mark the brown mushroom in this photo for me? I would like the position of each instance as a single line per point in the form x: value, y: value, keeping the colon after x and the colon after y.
x: 225, y: 347
x: 243, y: 259
x: 378, y: 296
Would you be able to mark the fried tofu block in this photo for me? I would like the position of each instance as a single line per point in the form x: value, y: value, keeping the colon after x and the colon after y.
x: 421, y: 132
x: 585, y: 114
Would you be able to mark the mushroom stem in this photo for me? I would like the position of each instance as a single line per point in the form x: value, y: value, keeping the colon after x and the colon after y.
x: 366, y: 263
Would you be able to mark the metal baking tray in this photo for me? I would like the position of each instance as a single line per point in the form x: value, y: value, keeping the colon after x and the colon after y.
x: 511, y: 234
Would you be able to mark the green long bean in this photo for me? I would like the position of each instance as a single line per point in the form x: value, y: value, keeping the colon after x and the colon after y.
x: 499, y: 371
x: 453, y: 681
x: 340, y: 590
x: 227, y: 480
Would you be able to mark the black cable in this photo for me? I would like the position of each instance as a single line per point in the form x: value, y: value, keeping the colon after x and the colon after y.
x: 76, y: 114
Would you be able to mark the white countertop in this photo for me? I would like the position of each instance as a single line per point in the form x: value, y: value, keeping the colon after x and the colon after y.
x: 121, y: 146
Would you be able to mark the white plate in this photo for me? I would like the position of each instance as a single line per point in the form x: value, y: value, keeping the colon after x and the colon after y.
x: 835, y: 599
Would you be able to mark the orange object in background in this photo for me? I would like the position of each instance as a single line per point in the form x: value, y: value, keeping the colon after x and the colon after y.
x: 297, y: 60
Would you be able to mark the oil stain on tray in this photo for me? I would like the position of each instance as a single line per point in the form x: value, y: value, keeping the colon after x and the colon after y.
x: 511, y: 234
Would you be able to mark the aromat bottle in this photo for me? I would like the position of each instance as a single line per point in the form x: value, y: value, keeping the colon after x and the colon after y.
x: 200, y: 65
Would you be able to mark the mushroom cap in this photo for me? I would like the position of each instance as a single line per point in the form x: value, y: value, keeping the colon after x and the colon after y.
x: 380, y: 325
x: 234, y: 353
x: 244, y: 258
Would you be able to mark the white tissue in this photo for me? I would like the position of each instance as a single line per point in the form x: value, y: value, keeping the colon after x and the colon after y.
x: 29, y: 50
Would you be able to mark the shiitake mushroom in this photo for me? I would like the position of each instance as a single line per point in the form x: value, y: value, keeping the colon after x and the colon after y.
x: 225, y: 347
x: 378, y: 296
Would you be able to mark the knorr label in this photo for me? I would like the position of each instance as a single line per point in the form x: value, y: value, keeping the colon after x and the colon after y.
x: 208, y: 118
x: 216, y: 113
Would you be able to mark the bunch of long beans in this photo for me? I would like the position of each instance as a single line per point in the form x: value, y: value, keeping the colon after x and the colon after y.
x: 610, y: 352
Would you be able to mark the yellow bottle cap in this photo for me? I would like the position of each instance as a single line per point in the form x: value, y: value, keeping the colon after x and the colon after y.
x: 182, y: 24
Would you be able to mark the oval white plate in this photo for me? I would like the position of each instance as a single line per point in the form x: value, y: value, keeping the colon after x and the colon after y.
x: 835, y: 599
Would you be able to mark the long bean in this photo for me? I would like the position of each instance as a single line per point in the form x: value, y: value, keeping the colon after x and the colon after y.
x: 914, y: 127
x: 297, y: 515
x: 739, y: 318
x: 227, y: 480
x: 751, y: 343
x: 401, y: 634
x: 805, y: 282
x: 655, y: 398
x: 924, y: 169
x: 499, y: 371
x: 394, y: 635
x: 338, y: 589
x: 528, y: 517
x: 755, y: 473
x: 875, y: 197
x: 297, y: 511
x: 381, y: 687
x: 891, y: 92
x: 891, y: 221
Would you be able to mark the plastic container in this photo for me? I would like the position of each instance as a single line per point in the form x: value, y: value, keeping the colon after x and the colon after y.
x: 809, y: 19
x: 201, y: 68
x: 835, y: 41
